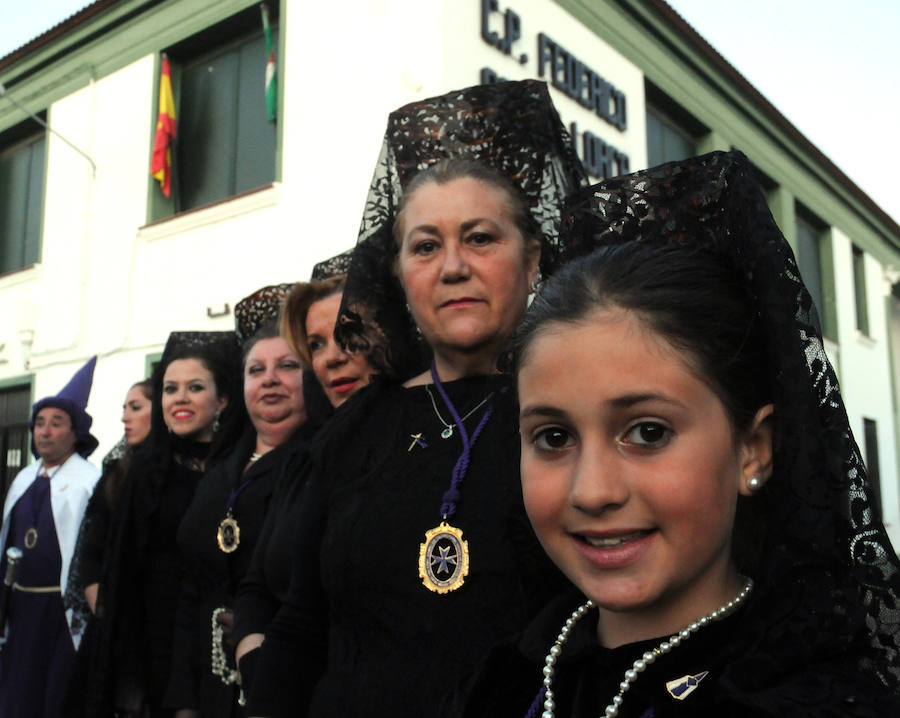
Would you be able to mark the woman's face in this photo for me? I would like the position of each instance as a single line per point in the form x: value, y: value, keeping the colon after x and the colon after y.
x: 340, y: 374
x: 273, y: 385
x: 136, y: 416
x: 464, y: 266
x: 631, y: 471
x: 190, y: 399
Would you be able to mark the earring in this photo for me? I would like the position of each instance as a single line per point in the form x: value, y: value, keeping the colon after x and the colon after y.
x: 754, y: 484
x: 535, y: 286
x: 216, y: 423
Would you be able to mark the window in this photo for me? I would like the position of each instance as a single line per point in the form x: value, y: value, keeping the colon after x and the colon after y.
x: 666, y: 141
x: 859, y: 289
x: 672, y: 132
x: 21, y: 196
x: 226, y: 143
x: 870, y: 429
x: 814, y: 260
x: 15, y: 440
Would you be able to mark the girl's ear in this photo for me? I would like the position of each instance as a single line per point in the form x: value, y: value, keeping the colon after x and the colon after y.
x: 756, y: 452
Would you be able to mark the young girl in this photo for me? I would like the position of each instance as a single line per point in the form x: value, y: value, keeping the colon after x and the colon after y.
x: 687, y: 462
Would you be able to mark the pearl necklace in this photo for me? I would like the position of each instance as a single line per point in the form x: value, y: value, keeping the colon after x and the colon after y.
x: 640, y: 665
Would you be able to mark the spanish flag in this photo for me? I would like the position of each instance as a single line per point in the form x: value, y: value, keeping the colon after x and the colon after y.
x: 161, y: 164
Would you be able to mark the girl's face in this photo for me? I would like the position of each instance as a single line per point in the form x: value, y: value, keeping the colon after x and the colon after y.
x: 464, y: 266
x: 136, y: 416
x: 190, y: 399
x: 340, y: 374
x: 273, y: 384
x: 631, y: 472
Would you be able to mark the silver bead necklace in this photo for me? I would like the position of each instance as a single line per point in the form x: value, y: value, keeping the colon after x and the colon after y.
x: 448, y: 428
x: 640, y: 665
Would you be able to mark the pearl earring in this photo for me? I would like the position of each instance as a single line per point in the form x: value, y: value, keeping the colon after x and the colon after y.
x: 754, y: 484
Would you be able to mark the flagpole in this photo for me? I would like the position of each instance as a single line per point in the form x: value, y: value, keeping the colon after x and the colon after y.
x: 36, y: 118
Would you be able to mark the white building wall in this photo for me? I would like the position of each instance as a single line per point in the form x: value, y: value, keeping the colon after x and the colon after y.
x: 866, y: 371
x: 110, y: 284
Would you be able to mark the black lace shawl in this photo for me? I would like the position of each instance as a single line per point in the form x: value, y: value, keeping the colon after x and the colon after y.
x: 829, y: 580
x: 511, y: 126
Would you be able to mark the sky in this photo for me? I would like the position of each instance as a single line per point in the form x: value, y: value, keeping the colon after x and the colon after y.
x: 831, y: 67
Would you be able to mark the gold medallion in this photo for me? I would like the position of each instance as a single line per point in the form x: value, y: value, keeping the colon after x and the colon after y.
x: 31, y: 537
x: 443, y: 559
x: 229, y: 534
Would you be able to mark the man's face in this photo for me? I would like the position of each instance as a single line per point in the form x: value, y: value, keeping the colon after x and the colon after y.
x: 54, y: 436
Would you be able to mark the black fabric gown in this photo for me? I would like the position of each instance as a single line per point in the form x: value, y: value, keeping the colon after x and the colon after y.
x: 213, y: 575
x: 267, y: 581
x: 359, y: 633
x: 94, y: 538
x: 37, y: 657
x: 733, y: 659
x: 131, y: 655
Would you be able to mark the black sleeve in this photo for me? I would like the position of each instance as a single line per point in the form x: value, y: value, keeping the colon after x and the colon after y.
x: 291, y: 660
x: 94, y: 530
x: 256, y: 604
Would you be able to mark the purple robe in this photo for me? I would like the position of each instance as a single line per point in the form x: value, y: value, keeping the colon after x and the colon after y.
x: 36, y: 659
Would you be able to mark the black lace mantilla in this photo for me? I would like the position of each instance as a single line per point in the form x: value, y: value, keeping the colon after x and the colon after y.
x: 829, y: 578
x: 512, y: 126
x: 253, y: 312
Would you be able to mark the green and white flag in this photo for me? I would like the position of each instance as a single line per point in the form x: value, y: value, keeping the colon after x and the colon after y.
x: 271, y: 81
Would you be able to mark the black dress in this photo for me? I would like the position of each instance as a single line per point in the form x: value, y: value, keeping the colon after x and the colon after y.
x: 267, y: 581
x: 131, y: 656
x: 359, y: 633
x: 730, y: 662
x: 213, y: 575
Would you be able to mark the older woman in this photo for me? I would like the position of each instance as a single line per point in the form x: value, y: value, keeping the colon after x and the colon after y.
x: 219, y: 531
x: 193, y: 384
x: 308, y: 321
x: 415, y: 555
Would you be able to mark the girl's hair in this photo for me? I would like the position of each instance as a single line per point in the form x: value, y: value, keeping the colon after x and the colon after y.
x: 296, y: 307
x: 451, y: 169
x: 693, y: 299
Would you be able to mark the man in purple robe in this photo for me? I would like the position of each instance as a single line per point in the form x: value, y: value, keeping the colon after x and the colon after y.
x: 41, y: 516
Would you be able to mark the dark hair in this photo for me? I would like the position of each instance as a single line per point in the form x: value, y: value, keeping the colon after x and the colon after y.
x: 269, y: 330
x: 146, y: 387
x: 696, y: 301
x: 296, y: 307
x: 690, y: 296
x: 115, y: 469
x: 454, y: 168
